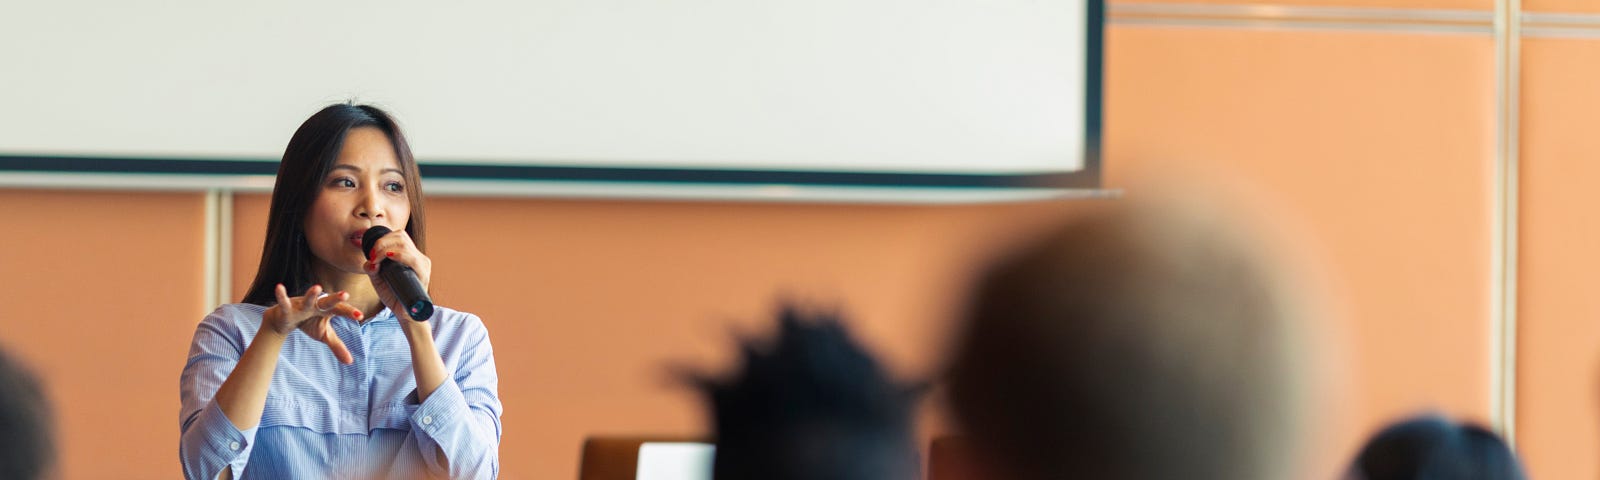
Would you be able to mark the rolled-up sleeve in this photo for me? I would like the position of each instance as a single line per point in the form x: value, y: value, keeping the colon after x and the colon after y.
x: 209, y: 442
x: 458, y: 427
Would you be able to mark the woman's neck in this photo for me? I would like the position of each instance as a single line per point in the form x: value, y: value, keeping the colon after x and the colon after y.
x: 362, y: 295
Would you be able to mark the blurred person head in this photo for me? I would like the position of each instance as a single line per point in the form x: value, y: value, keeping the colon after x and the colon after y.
x: 27, y: 444
x: 811, y: 405
x: 1431, y: 447
x: 298, y: 244
x: 1129, y: 343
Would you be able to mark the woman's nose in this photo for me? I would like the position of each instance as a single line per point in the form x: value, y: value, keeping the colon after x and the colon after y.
x: 369, y: 206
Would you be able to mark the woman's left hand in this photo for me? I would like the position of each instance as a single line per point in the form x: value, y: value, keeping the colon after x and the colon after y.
x: 426, y: 364
x: 397, y: 246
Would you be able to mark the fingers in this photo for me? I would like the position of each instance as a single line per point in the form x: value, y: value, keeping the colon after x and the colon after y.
x: 312, y: 313
x: 396, y: 240
x: 411, y: 258
x: 313, y: 305
x: 322, y: 331
x: 345, y: 309
x: 311, y: 298
x: 292, y: 311
x: 398, y: 246
x: 325, y: 304
x: 334, y: 304
x: 337, y: 345
x: 274, y: 317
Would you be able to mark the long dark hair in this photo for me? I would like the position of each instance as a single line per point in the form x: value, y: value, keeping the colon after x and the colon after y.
x: 312, y: 152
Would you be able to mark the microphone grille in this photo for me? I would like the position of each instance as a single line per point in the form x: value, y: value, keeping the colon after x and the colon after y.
x: 371, y: 237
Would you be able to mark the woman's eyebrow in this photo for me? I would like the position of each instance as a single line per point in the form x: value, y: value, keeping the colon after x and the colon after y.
x: 358, y: 169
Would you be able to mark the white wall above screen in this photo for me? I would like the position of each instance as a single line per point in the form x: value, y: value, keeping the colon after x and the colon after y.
x: 959, y: 86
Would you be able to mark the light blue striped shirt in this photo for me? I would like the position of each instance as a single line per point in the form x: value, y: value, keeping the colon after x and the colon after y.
x: 324, y: 419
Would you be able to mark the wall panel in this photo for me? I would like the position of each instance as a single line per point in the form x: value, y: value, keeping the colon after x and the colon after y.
x: 102, y: 291
x: 1558, y: 393
x: 1414, y: 4
x: 1381, y: 145
x: 1560, y: 6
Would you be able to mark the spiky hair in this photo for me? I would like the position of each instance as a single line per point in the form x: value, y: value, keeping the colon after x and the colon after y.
x: 813, y: 404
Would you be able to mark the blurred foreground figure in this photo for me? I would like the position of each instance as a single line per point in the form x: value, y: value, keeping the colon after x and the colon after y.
x: 27, y: 447
x: 1129, y: 344
x: 813, y: 405
x: 1434, y: 448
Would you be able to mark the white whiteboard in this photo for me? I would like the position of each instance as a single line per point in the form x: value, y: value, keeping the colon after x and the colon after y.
x: 963, y: 86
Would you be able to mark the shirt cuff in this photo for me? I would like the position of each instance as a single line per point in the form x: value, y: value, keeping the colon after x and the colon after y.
x: 225, y: 443
x: 443, y: 407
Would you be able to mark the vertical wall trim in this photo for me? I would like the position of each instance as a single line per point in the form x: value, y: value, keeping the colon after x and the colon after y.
x: 211, y: 247
x: 218, y: 247
x: 224, y: 283
x: 1503, y: 314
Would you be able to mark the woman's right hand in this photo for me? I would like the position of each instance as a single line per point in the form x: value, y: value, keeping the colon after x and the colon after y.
x: 311, y: 315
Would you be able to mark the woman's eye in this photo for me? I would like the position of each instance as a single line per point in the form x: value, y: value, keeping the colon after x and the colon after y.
x: 344, y: 182
x: 395, y: 187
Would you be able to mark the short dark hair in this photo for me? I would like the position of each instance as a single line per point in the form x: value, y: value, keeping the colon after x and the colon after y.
x: 311, y: 154
x: 1128, y: 344
x: 814, y: 406
x: 1431, y: 447
x: 27, y: 439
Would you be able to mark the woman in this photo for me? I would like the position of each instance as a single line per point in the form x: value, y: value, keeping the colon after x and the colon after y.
x: 362, y: 390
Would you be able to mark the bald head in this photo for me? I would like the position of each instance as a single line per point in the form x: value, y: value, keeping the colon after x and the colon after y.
x: 1129, y: 344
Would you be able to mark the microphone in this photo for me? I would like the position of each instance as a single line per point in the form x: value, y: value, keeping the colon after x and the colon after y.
x: 402, y: 279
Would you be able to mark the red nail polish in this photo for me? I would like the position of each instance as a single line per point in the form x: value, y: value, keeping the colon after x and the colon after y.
x: 390, y: 254
x: 358, y: 315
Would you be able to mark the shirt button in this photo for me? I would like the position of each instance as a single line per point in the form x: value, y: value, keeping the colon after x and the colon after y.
x: 234, y: 445
x: 427, y: 419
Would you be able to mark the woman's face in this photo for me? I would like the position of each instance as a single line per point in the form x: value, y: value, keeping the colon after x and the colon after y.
x: 365, y: 188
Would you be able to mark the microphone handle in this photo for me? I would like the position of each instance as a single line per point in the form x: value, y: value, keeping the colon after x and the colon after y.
x: 408, y: 288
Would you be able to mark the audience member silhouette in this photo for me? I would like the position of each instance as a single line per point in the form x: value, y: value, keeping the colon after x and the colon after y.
x: 1434, y: 448
x: 27, y: 444
x: 1130, y: 344
x: 812, y: 405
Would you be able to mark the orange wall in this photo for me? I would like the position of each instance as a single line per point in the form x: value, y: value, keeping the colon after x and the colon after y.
x: 589, y: 302
x: 1433, y: 4
x: 1560, y: 6
x: 1378, y: 145
x: 1558, y: 348
x: 101, y: 292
